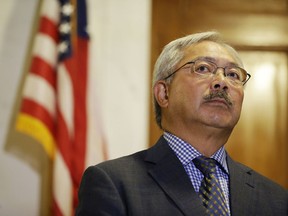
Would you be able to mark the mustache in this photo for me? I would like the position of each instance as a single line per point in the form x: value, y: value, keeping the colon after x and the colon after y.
x: 219, y: 94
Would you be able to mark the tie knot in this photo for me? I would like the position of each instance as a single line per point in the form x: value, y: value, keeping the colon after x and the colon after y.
x: 205, y: 165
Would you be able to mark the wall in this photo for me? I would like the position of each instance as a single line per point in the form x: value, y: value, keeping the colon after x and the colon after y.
x: 120, y: 43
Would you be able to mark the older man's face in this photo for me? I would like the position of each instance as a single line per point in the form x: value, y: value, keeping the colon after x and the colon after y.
x: 188, y: 92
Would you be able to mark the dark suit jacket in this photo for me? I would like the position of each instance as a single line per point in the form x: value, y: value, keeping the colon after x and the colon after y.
x: 153, y: 182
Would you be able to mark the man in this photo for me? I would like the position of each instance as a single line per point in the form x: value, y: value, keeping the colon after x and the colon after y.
x: 198, y: 87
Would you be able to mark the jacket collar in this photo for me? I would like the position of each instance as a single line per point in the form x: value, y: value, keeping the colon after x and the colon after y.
x: 170, y: 175
x: 242, y: 188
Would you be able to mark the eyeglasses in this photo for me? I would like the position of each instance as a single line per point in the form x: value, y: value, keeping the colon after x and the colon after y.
x: 236, y: 75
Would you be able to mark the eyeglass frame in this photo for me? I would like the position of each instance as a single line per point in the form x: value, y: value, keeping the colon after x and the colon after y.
x: 214, y: 72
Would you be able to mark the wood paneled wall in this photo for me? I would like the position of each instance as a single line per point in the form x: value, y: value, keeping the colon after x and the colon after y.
x: 256, y: 27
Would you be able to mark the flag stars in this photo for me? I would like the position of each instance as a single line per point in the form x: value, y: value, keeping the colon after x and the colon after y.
x: 65, y: 28
x: 67, y: 9
x: 63, y: 47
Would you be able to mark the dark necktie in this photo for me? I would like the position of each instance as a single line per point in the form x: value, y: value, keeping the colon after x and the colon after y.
x: 210, y: 191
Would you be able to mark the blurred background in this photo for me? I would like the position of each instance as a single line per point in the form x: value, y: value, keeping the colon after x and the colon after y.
x: 126, y: 37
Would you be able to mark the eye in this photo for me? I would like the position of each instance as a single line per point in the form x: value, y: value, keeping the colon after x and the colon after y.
x: 203, y: 68
x: 233, y: 73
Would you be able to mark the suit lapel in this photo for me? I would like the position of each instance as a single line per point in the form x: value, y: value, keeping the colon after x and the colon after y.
x: 241, y: 189
x: 170, y: 175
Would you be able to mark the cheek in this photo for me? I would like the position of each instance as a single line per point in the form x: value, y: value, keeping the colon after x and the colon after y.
x: 182, y: 96
x: 238, y: 97
x: 187, y: 91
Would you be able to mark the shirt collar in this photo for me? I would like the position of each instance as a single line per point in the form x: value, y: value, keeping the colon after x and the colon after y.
x: 186, y: 152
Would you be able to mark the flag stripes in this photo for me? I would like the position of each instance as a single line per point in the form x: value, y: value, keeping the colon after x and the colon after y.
x: 49, y: 54
x: 47, y: 72
x: 34, y: 82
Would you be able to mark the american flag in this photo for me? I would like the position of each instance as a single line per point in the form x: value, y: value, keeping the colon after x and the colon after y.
x: 57, y: 106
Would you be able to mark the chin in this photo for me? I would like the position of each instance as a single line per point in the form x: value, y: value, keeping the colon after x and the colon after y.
x: 221, y: 122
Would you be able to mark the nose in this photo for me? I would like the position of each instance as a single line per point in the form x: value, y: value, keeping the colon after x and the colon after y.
x: 219, y: 81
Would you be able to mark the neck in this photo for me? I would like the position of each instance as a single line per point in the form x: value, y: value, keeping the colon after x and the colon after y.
x: 206, y: 139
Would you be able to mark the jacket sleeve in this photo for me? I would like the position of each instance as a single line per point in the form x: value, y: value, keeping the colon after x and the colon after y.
x: 98, y: 195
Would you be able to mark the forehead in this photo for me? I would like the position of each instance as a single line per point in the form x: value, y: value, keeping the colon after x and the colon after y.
x: 209, y: 49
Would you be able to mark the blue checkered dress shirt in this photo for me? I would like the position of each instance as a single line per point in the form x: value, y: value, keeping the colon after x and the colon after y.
x: 186, y: 153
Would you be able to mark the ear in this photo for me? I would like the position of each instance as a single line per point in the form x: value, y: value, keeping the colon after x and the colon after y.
x: 161, y: 93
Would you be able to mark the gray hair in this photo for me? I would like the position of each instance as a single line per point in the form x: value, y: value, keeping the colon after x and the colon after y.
x: 174, y: 52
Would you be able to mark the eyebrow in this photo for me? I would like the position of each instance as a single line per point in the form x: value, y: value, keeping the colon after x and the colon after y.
x: 214, y: 60
x: 206, y: 58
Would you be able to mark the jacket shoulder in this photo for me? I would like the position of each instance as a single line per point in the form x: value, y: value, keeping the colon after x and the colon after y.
x: 262, y: 180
